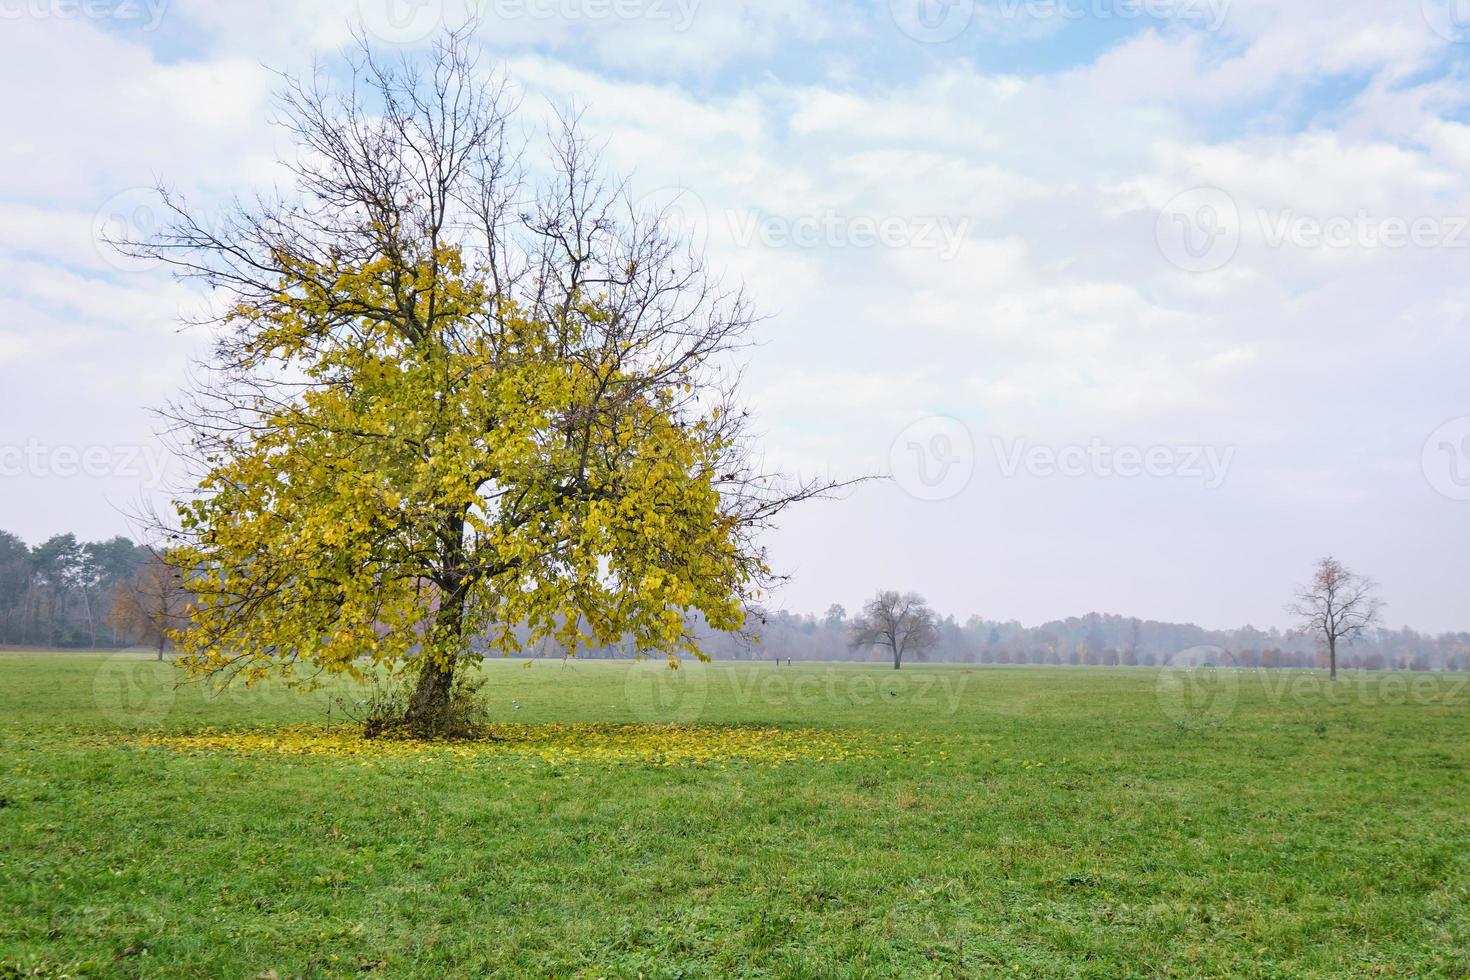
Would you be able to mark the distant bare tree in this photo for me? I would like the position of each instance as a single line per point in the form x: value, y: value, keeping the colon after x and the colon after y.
x: 1339, y: 605
x: 903, y: 624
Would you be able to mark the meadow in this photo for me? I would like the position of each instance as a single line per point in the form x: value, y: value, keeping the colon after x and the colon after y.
x: 740, y: 819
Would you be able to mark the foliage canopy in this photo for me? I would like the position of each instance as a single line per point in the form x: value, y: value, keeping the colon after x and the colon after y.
x: 447, y: 401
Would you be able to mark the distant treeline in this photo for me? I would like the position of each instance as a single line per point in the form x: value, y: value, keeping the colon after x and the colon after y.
x: 1093, y: 640
x: 62, y: 592
x: 1108, y: 641
x: 67, y: 593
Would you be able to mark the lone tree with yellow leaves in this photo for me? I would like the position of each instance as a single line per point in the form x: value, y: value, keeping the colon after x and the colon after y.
x: 449, y: 400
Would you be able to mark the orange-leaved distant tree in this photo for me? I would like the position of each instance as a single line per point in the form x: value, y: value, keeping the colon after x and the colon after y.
x: 153, y: 604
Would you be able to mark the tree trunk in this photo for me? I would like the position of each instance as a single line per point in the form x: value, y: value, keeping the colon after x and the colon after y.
x: 441, y: 656
x: 161, y: 639
x: 897, y: 658
x: 91, y: 626
x: 431, y: 695
x: 1332, y: 658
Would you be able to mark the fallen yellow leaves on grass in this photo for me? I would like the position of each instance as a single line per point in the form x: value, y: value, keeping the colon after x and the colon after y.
x: 668, y: 745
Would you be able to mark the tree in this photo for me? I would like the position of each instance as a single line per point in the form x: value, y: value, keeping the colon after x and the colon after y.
x: 444, y: 402
x: 15, y: 578
x: 153, y: 604
x: 107, y: 566
x: 1130, y: 651
x: 57, y: 572
x: 1338, y: 606
x: 903, y: 624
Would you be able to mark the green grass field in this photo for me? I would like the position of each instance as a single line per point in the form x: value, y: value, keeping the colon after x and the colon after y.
x: 979, y: 821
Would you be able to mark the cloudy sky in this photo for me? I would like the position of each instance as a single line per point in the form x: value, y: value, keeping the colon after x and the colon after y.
x: 1146, y: 304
